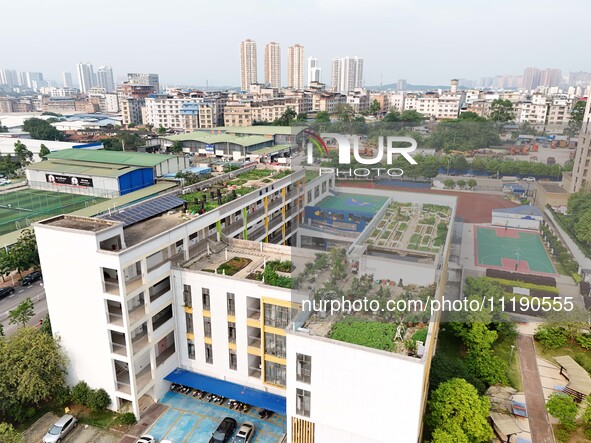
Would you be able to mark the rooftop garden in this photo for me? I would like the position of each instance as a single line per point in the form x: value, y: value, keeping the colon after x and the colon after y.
x: 200, y: 202
x: 272, y: 274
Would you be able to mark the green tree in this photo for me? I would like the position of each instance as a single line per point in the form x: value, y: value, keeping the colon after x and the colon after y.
x: 472, y: 183
x: 374, y: 108
x: 322, y: 117
x: 24, y: 253
x: 46, y: 326
x: 177, y: 147
x: 455, y: 405
x: 449, y: 434
x: 149, y: 127
x: 98, y: 400
x: 581, y: 227
x: 23, y: 154
x: 461, y: 183
x: 576, y: 118
x: 302, y: 117
x: 80, y: 393
x: 22, y: 313
x: 9, y: 435
x: 40, y: 129
x: 392, y: 116
x: 344, y: 112
x: 564, y: 409
x: 470, y: 116
x: 449, y: 183
x: 412, y: 116
x: 288, y: 116
x: 44, y: 151
x: 32, y: 370
x: 161, y: 130
x: 501, y: 110
x: 3, y: 128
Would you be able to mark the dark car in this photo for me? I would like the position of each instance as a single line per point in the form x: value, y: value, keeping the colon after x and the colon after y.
x: 224, y: 431
x: 31, y: 278
x: 5, y: 292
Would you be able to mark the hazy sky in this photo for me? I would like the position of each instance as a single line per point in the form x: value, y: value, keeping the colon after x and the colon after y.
x: 189, y: 42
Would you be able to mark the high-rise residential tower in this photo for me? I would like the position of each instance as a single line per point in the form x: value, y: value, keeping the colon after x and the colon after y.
x: 272, y: 65
x: 104, y: 77
x: 85, y: 76
x: 347, y: 74
x: 67, y: 79
x: 248, y: 63
x: 295, y: 67
x: 314, y: 71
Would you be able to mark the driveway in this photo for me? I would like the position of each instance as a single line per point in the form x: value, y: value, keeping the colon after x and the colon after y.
x: 82, y: 433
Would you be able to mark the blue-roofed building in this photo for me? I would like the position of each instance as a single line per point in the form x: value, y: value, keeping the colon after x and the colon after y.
x: 526, y: 216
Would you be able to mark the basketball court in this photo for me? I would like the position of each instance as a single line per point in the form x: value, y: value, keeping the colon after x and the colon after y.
x: 511, y: 250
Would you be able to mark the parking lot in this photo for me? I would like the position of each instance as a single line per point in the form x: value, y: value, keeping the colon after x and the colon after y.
x: 191, y: 420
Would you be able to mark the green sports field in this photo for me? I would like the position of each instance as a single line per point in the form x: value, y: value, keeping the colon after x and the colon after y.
x: 512, y: 250
x: 353, y: 202
x: 19, y: 208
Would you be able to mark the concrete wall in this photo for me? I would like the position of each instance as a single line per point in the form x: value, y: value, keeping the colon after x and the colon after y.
x: 515, y: 222
x: 357, y: 394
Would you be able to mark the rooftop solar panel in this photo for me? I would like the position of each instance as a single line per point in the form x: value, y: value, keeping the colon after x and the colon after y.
x: 146, y: 210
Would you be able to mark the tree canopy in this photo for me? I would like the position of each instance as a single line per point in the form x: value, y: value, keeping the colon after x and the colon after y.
x: 22, y: 153
x: 464, y: 134
x: 44, y: 151
x: 32, y: 370
x: 564, y: 408
x: 456, y: 410
x: 22, y: 313
x: 501, y: 110
x: 40, y: 129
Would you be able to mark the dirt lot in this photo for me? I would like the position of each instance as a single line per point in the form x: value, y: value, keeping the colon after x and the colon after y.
x: 82, y: 433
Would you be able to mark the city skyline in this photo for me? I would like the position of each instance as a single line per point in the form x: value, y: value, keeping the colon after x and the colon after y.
x: 427, y: 57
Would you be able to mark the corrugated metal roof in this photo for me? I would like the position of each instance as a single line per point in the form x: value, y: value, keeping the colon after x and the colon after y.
x: 203, y: 137
x: 114, y: 157
x: 92, y: 169
x: 260, y: 130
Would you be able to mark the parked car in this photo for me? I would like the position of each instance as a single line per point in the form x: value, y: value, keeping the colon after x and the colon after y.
x: 5, y: 292
x: 60, y: 429
x: 224, y: 431
x: 529, y: 179
x: 28, y: 280
x: 146, y: 439
x: 4, y: 181
x: 469, y: 175
x: 245, y: 433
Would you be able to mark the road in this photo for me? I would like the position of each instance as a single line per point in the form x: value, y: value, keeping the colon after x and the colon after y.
x: 36, y: 293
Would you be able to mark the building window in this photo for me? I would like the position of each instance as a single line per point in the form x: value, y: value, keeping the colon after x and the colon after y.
x: 275, y: 345
x: 187, y: 300
x: 233, y: 360
x: 275, y: 373
x: 205, y: 299
x: 189, y: 322
x: 208, y: 354
x: 303, y: 402
x: 231, y: 304
x: 303, y: 368
x: 277, y: 316
x: 207, y: 327
x: 191, y: 349
x: 231, y: 332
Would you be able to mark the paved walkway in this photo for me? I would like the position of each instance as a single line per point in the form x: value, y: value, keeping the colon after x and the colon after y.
x: 541, y: 431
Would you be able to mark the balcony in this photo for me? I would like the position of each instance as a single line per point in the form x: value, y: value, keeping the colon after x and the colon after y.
x: 161, y: 318
x: 115, y: 313
x: 165, y: 355
x: 143, y: 378
x: 133, y: 283
x: 137, y: 313
x: 118, y: 343
x: 140, y: 341
x: 233, y: 227
x: 159, y: 289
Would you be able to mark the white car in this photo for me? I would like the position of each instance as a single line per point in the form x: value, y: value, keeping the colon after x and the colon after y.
x: 529, y: 179
x: 146, y: 439
x: 246, y: 433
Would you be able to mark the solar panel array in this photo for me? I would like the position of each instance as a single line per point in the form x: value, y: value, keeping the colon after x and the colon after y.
x: 146, y: 210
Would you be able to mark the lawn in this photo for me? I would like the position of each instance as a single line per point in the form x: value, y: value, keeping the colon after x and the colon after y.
x: 371, y: 334
x: 502, y: 350
x: 580, y: 355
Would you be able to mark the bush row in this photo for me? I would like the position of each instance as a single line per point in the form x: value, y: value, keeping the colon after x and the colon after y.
x: 512, y: 283
x: 95, y: 399
x: 525, y: 278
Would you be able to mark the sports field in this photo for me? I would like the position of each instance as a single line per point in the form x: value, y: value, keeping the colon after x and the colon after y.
x: 512, y: 250
x: 353, y: 202
x: 19, y: 208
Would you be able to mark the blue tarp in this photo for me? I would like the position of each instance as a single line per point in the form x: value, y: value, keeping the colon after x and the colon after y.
x: 250, y: 396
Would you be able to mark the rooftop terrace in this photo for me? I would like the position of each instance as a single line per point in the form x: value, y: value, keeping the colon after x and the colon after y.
x: 78, y: 223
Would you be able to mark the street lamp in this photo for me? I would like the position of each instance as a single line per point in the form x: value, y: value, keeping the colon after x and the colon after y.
x: 511, y: 356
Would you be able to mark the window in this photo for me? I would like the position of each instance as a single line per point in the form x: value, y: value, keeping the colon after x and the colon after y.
x: 187, y: 300
x: 233, y: 360
x: 275, y: 345
x: 189, y: 322
x: 277, y: 316
x: 208, y: 354
x: 303, y: 402
x: 207, y: 327
x: 275, y: 373
x: 191, y: 349
x: 205, y: 299
x: 231, y: 303
x: 303, y: 368
x: 231, y: 332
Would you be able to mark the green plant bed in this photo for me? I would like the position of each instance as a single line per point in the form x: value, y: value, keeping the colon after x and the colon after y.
x: 415, y: 238
x: 372, y: 334
x: 233, y: 265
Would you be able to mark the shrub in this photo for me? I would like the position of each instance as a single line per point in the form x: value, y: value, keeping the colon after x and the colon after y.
x: 550, y: 337
x: 127, y: 419
x: 420, y: 335
x: 80, y: 393
x: 564, y: 408
x: 98, y: 400
x: 518, y: 277
x: 584, y: 340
